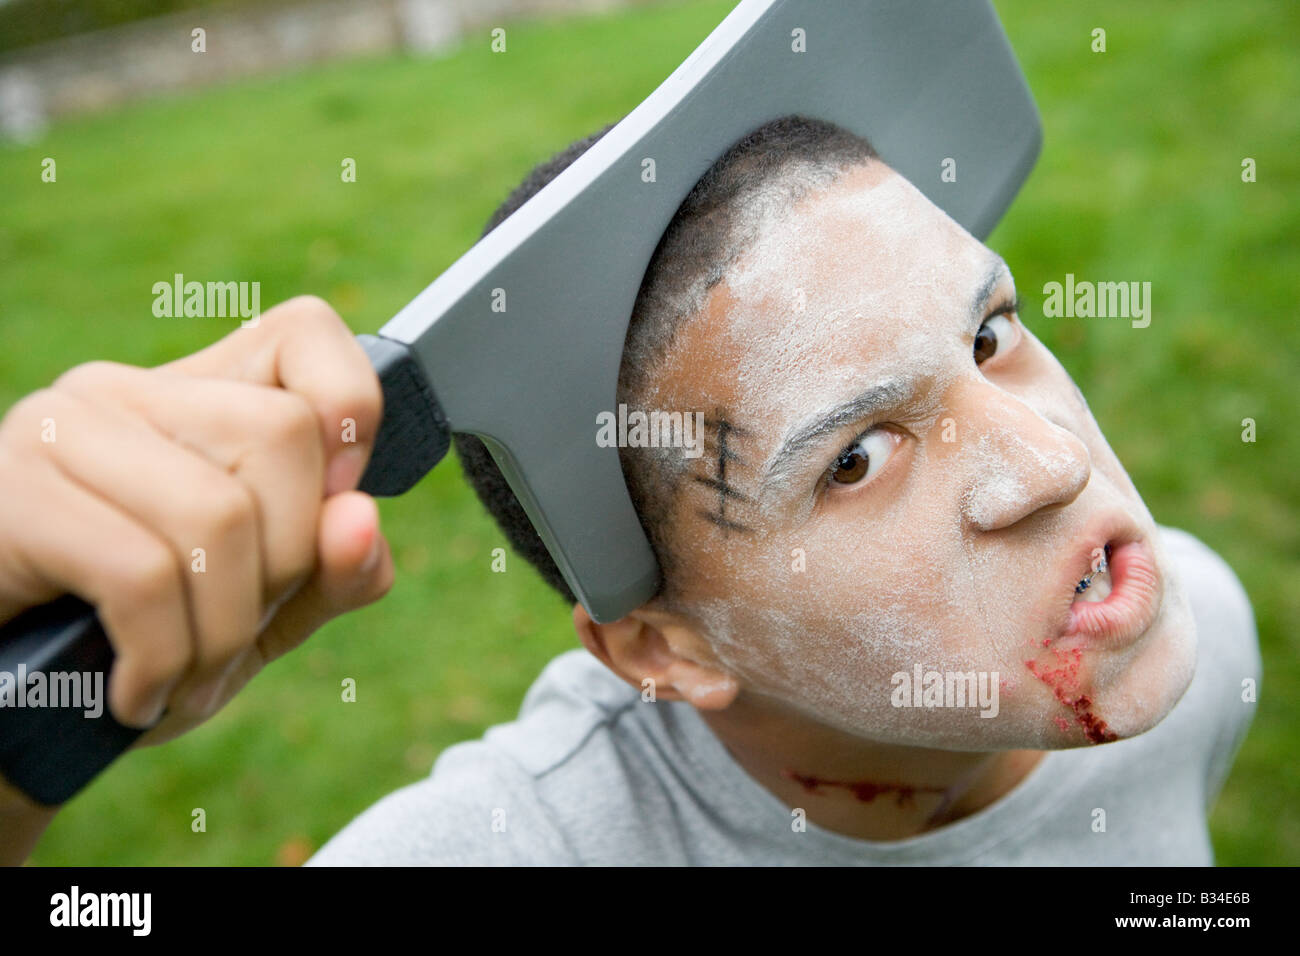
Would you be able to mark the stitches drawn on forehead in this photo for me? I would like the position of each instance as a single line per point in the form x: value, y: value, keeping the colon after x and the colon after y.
x: 721, y: 458
x: 859, y: 284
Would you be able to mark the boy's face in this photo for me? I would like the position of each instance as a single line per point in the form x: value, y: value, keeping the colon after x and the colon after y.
x: 943, y: 521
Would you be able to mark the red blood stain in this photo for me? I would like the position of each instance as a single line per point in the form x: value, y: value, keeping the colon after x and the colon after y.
x: 1064, y: 681
x: 863, y: 790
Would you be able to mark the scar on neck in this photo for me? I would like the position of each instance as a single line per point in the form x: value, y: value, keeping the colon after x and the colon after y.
x: 863, y: 790
x: 725, y: 431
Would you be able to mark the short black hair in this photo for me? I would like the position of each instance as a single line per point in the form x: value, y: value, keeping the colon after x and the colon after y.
x: 709, y: 230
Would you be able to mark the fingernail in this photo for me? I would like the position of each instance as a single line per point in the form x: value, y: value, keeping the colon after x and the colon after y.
x: 372, y: 558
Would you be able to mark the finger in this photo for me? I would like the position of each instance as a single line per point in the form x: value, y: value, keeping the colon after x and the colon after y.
x: 62, y: 538
x: 354, y: 568
x: 265, y: 438
x: 302, y: 345
x: 207, y: 516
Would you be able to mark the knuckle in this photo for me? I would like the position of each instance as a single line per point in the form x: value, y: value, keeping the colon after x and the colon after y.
x: 228, y: 509
x: 23, y: 422
x: 312, y: 310
x: 290, y: 420
x: 146, y: 575
x: 90, y: 376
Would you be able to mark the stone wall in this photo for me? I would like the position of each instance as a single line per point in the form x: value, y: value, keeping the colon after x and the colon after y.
x: 98, y: 70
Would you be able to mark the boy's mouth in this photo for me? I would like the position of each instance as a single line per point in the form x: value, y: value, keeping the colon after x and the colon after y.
x: 1116, y: 600
x: 1094, y: 586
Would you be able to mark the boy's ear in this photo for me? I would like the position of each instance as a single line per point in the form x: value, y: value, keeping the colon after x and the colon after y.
x: 660, y: 647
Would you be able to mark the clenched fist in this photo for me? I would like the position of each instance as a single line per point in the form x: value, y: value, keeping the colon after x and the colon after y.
x: 205, y: 507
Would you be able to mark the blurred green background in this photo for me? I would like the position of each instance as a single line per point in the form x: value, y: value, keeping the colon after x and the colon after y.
x: 1139, y: 178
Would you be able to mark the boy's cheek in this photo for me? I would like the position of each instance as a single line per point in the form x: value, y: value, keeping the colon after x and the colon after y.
x: 1054, y: 394
x: 838, y: 660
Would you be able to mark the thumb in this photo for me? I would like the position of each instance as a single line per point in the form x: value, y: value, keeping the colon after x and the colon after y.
x: 354, y: 567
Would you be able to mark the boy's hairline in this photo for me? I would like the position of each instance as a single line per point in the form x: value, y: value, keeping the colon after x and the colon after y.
x: 820, y: 151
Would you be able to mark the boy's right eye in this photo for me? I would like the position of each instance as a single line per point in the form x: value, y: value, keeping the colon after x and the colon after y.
x: 862, y: 460
x: 999, y: 333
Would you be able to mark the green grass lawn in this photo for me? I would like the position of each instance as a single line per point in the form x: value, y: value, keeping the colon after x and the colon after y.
x: 1139, y: 179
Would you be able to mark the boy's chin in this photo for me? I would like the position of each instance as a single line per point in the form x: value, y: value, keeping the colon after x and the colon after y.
x: 1127, y: 696
x: 1133, y: 694
x: 1156, y: 678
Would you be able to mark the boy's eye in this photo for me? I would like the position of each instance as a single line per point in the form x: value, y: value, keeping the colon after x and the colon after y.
x: 864, y: 458
x: 996, y: 334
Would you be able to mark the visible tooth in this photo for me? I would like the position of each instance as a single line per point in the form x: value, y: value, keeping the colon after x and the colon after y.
x: 1095, y: 588
x: 1087, y: 590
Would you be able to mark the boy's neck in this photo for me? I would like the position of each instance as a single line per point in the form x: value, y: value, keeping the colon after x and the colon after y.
x: 860, y: 788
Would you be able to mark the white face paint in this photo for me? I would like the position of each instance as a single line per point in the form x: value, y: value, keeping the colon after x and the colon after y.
x: 950, y: 539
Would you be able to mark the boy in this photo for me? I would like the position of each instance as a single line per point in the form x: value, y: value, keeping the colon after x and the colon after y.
x: 912, y: 608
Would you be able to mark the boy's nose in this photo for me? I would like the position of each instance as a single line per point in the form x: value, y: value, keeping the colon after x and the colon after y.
x: 1014, y: 461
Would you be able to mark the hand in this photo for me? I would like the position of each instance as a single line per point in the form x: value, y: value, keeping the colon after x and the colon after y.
x: 205, y: 507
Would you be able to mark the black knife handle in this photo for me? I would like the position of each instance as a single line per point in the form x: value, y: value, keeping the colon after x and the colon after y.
x: 50, y: 753
x: 414, y: 434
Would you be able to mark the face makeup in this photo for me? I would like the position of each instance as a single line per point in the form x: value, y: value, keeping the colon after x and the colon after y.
x: 897, y: 473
